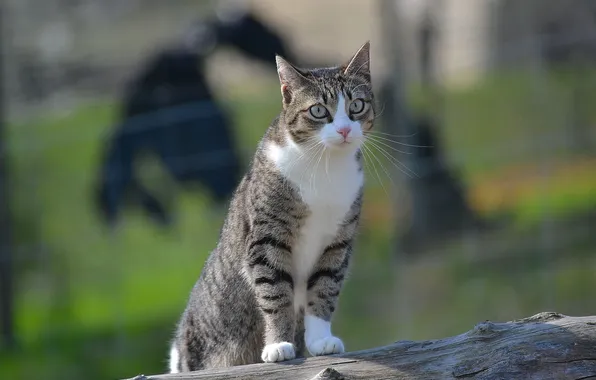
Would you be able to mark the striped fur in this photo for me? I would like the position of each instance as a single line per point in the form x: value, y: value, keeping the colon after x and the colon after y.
x: 270, y: 287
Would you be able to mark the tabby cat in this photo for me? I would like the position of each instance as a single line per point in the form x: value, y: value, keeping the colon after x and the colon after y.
x: 270, y: 287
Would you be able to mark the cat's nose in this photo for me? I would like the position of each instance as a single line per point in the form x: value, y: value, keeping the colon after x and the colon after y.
x: 344, y: 131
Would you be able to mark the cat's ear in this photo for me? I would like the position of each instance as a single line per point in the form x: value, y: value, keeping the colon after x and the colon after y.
x: 360, y: 62
x: 290, y: 78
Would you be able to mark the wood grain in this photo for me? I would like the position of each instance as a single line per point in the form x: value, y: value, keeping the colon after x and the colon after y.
x: 544, y: 346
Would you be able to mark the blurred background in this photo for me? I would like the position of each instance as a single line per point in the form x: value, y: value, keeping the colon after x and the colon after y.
x: 125, y: 125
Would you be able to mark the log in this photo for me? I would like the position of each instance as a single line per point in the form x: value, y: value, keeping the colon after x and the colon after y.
x: 545, y: 346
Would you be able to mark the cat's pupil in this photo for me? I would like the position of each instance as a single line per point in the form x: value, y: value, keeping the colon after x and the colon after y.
x: 318, y: 111
x: 357, y: 106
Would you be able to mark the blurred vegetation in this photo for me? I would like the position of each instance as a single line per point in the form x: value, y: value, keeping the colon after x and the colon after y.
x: 99, y: 306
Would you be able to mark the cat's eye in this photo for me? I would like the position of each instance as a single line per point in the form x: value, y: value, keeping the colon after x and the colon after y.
x: 318, y: 111
x: 357, y: 106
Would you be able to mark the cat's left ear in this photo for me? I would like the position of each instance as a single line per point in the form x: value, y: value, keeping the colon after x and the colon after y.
x: 290, y: 78
x: 360, y: 62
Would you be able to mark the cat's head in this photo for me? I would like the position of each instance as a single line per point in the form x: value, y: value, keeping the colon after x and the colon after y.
x: 334, y: 106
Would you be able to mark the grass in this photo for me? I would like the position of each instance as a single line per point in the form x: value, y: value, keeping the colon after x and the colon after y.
x: 100, y: 306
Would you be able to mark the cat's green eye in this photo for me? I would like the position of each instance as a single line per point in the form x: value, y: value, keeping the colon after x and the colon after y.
x: 357, y: 106
x: 318, y: 111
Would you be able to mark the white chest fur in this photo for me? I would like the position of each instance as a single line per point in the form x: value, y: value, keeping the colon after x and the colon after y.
x: 329, y: 183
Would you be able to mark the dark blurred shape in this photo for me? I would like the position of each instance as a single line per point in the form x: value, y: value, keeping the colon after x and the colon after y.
x: 169, y: 109
x: 439, y: 207
x: 439, y: 204
x: 246, y: 32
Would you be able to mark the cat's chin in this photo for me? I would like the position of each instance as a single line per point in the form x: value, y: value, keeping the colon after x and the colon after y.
x: 342, y: 146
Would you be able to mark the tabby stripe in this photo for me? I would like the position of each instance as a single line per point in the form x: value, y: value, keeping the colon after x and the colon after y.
x: 280, y: 276
x: 328, y: 295
x: 269, y: 240
x: 259, y: 260
x: 298, y: 135
x: 265, y: 280
x: 269, y: 215
x: 273, y: 298
x: 335, y: 246
x: 276, y: 310
x: 336, y: 274
x: 331, y: 273
x: 293, y: 119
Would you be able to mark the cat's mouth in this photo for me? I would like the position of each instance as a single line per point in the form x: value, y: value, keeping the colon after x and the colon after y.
x: 341, y: 143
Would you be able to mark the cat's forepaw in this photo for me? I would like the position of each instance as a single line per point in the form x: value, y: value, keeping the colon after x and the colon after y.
x: 278, y: 352
x: 326, y: 346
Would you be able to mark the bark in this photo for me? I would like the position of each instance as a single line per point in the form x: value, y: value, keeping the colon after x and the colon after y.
x: 545, y: 346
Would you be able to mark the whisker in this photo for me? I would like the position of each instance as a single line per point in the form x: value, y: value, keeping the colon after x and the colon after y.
x: 373, y: 138
x: 384, y: 169
x: 399, y: 165
x: 327, y: 167
x: 384, y: 106
x: 310, y: 167
x: 370, y: 153
x: 398, y: 136
x: 382, y: 166
x: 310, y: 144
x: 312, y: 147
x: 317, y: 167
x: 372, y: 133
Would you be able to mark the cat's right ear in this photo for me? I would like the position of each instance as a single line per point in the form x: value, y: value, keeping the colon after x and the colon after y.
x: 290, y: 78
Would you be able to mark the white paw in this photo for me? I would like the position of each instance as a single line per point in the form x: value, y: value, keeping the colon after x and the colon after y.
x: 278, y: 352
x: 326, y: 346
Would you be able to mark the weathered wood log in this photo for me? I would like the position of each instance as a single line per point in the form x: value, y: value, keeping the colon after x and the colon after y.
x: 545, y: 346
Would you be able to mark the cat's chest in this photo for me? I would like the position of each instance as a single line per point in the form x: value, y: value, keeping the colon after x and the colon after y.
x: 329, y: 195
x: 328, y: 185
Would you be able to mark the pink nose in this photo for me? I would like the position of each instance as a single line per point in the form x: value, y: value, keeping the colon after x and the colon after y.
x: 344, y: 131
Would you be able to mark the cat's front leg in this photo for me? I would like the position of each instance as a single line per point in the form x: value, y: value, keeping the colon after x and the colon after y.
x: 323, y: 288
x: 274, y: 289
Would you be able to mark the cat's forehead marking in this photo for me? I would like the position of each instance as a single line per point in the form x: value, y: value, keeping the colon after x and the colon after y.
x: 330, y: 83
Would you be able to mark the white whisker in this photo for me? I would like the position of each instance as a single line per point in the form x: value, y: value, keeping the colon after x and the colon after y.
x: 373, y: 138
x: 378, y: 115
x: 399, y: 165
x: 372, y: 133
x: 327, y: 167
x: 370, y: 153
x: 309, y: 159
x: 397, y: 136
x: 310, y: 145
x: 317, y: 167
x: 382, y: 167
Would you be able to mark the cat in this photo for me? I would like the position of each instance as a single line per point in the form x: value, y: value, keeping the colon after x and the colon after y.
x: 270, y: 287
